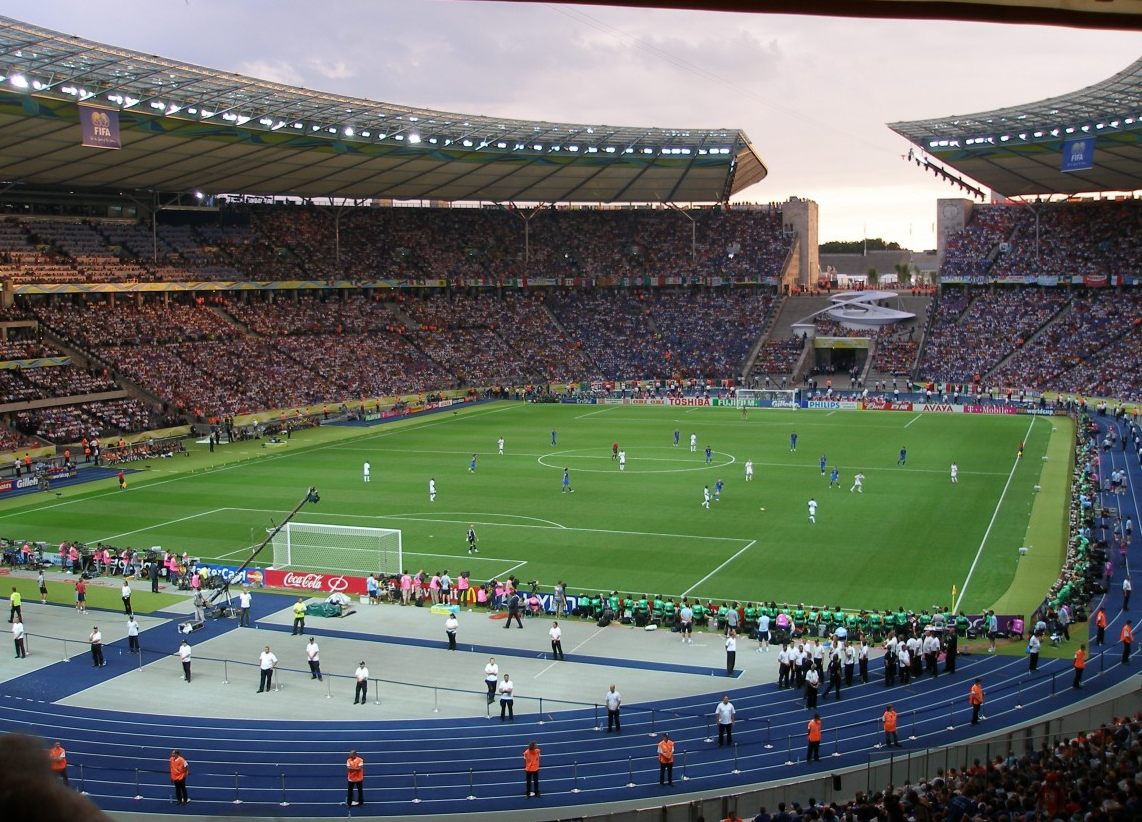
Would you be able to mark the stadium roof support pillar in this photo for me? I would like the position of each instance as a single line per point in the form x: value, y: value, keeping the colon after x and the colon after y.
x: 952, y: 214
x: 801, y: 217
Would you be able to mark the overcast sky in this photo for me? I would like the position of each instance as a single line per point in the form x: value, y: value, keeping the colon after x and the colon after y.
x: 812, y: 93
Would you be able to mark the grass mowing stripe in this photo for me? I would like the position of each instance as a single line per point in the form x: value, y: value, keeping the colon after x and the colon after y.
x: 994, y: 516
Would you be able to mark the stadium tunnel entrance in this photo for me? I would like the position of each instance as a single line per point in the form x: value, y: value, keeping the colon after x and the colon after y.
x: 840, y: 354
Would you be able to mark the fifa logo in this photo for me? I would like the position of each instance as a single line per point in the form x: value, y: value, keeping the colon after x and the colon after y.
x: 1078, y: 151
x: 100, y: 124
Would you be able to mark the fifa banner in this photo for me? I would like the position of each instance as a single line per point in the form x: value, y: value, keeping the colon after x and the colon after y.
x: 99, y: 127
x: 579, y: 401
x: 1078, y: 154
x: 317, y: 584
x: 1042, y: 412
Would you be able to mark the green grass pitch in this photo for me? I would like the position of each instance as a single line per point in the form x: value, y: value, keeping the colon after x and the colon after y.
x: 906, y: 540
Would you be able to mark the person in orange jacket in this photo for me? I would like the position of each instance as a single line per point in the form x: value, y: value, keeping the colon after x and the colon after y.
x: 1100, y: 623
x: 975, y: 699
x: 890, y: 737
x: 1080, y: 666
x: 813, y: 752
x: 531, y: 769
x: 356, y: 769
x: 1127, y: 639
x: 58, y: 757
x: 179, y: 772
x: 666, y: 760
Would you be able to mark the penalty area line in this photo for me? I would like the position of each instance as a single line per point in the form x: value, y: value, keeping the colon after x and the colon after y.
x: 749, y: 545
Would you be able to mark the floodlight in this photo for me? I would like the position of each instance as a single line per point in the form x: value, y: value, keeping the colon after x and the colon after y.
x: 18, y: 80
x: 414, y: 138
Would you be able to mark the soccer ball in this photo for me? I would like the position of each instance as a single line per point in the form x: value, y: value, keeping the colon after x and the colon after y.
x: 760, y: 509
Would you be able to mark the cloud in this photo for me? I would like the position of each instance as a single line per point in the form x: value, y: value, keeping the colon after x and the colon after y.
x: 336, y: 70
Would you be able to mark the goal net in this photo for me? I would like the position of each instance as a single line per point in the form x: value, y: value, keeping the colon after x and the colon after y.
x: 774, y: 397
x: 307, y: 546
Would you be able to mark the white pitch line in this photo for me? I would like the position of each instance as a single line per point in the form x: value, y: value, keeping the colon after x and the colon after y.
x: 994, y: 516
x: 592, y: 413
x: 383, y: 518
x: 918, y: 416
x: 415, y: 514
x: 751, y: 543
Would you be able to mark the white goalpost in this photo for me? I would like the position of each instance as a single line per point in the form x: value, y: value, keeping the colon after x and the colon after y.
x: 355, y: 549
x: 777, y: 397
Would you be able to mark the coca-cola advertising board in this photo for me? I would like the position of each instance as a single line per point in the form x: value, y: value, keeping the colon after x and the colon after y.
x: 314, y: 583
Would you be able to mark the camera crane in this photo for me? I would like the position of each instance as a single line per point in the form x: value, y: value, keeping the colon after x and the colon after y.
x: 312, y: 496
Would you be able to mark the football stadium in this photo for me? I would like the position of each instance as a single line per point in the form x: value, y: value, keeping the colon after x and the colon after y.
x: 306, y: 397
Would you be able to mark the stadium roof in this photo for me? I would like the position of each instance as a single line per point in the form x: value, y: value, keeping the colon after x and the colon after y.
x: 187, y: 128
x: 1018, y: 151
x: 1096, y: 14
